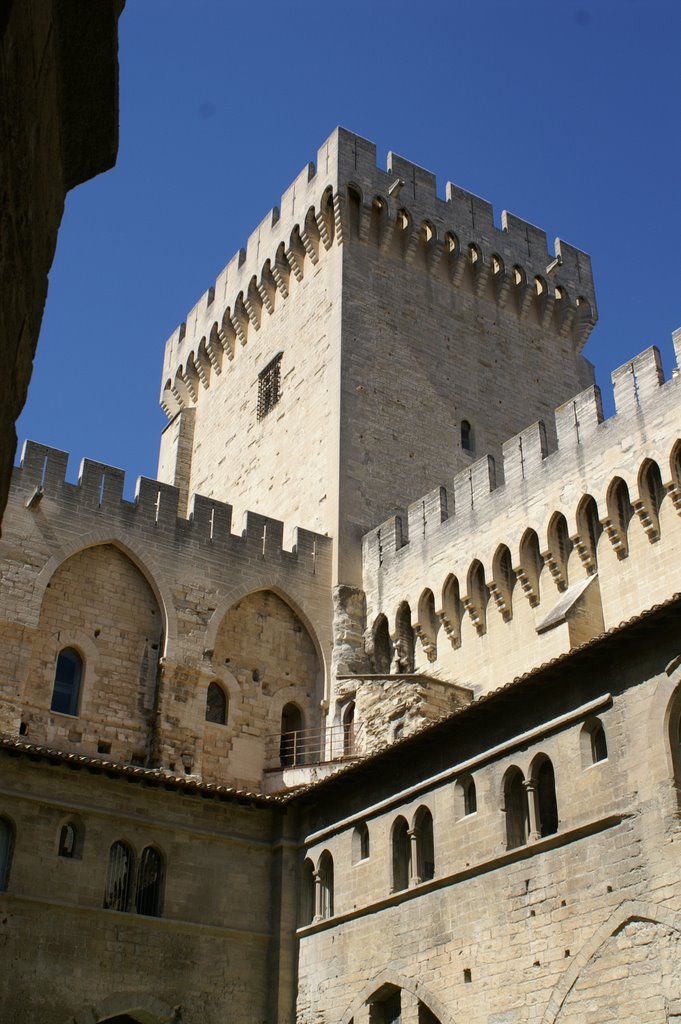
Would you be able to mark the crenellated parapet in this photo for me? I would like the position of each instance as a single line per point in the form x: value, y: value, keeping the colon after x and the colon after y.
x: 538, y: 529
x: 41, y: 477
x: 345, y: 198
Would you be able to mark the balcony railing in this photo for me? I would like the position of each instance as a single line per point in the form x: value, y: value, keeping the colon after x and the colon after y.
x: 314, y: 746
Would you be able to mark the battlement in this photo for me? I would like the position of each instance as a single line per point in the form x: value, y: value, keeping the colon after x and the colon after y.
x: 485, y: 494
x: 345, y: 196
x: 41, y: 476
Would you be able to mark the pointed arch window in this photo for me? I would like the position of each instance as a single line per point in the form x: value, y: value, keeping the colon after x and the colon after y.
x: 383, y: 648
x: 68, y: 677
x: 401, y: 855
x: 515, y: 806
x: 325, y: 879
x: 425, y: 845
x: 547, y: 807
x: 149, y: 883
x: 466, y: 436
x: 349, y: 729
x: 216, y: 704
x: 118, y: 877
x: 307, y: 893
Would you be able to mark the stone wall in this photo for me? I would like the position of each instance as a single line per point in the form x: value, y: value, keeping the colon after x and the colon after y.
x: 211, y: 953
x: 578, y: 921
x: 541, y: 604
x: 158, y: 607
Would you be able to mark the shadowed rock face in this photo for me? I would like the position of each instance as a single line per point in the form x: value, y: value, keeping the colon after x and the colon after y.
x: 58, y: 127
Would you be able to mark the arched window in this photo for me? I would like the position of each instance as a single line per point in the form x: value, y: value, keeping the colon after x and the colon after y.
x: 325, y: 874
x: 531, y: 565
x: 547, y: 808
x: 216, y: 704
x: 307, y: 894
x: 620, y: 511
x: 465, y: 796
x: 404, y: 643
x: 383, y: 648
x: 118, y: 877
x: 67, y: 679
x: 515, y: 808
x: 478, y: 596
x: 593, y: 743
x: 385, y: 1006
x: 429, y: 624
x: 291, y: 743
x: 651, y: 493
x: 466, y: 436
x: 451, y: 610
x: 560, y: 547
x: 589, y: 529
x: 504, y: 581
x: 149, y: 883
x: 360, y: 842
x: 6, y: 849
x: 401, y: 855
x: 349, y: 729
x: 68, y: 840
x: 425, y: 846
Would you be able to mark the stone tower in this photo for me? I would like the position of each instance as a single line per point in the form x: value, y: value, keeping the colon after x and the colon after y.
x: 371, y: 339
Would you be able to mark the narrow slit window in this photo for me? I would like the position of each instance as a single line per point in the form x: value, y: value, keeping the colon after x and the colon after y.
x: 466, y: 436
x: 269, y: 386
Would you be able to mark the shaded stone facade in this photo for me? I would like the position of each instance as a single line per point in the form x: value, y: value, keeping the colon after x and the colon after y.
x: 58, y: 127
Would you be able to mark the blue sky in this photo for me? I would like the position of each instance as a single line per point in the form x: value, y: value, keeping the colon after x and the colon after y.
x: 564, y: 114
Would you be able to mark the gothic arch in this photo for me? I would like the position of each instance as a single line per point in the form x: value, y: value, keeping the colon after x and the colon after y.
x: 141, y: 1007
x: 138, y: 558
x: 664, y: 711
x: 631, y: 910
x: 224, y: 604
x: 393, y: 980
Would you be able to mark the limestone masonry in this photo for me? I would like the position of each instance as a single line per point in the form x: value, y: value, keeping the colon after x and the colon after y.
x: 368, y: 709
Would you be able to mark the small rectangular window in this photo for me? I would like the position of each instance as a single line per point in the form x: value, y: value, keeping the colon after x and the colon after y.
x: 269, y: 386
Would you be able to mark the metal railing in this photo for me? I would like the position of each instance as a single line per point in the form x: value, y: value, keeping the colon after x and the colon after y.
x: 314, y: 746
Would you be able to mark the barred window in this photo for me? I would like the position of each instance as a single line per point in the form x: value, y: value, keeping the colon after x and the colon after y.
x: 269, y: 386
x: 149, y: 883
x: 118, y: 877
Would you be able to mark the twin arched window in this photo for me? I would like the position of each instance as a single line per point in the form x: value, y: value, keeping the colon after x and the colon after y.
x: 68, y: 677
x: 317, y: 896
x: 120, y: 877
x: 530, y: 806
x: 413, y: 851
